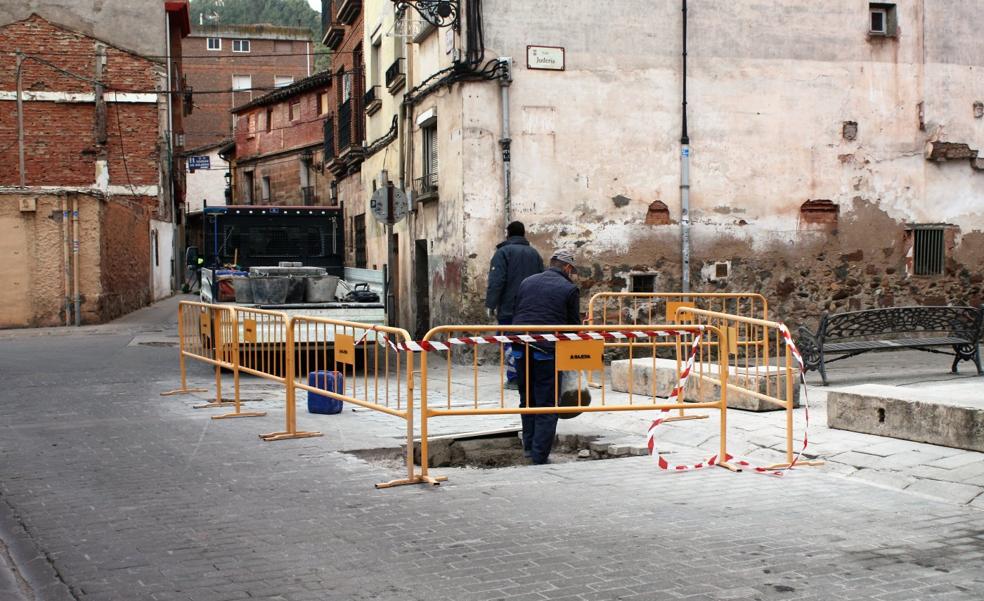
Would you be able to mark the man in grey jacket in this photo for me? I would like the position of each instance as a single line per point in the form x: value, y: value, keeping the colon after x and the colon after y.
x: 514, y: 261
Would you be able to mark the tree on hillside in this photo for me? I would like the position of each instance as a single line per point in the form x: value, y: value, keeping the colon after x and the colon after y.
x: 289, y: 13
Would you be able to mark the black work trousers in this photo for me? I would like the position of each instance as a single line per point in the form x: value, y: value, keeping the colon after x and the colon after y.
x: 538, y: 429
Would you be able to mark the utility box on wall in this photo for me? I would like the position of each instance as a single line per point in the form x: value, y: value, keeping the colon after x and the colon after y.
x: 28, y: 204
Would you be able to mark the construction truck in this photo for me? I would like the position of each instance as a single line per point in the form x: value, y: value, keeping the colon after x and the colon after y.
x: 288, y: 259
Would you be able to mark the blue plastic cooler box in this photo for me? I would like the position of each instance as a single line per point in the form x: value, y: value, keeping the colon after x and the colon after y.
x: 331, y: 381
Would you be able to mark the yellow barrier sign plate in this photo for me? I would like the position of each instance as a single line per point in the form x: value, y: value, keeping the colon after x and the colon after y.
x: 205, y: 322
x: 249, y: 330
x: 672, y: 306
x: 733, y: 340
x: 580, y: 354
x: 345, y: 349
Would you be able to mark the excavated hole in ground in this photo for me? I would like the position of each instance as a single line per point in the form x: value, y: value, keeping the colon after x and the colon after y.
x: 492, y: 451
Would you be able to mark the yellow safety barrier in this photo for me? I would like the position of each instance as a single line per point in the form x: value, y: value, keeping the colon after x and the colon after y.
x: 634, y: 308
x: 453, y: 383
x: 754, y: 371
x: 264, y: 350
x: 641, y: 308
x: 202, y: 332
x: 374, y: 373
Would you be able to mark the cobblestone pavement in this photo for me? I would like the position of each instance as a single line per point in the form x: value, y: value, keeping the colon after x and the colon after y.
x: 124, y: 494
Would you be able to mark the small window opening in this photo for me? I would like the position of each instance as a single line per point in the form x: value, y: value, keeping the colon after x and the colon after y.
x: 882, y: 19
x: 643, y: 282
x: 929, y: 250
x: 214, y: 43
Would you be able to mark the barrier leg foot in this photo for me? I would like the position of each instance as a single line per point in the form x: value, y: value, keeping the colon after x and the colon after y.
x: 273, y: 436
x: 782, y: 466
x: 240, y: 414
x: 678, y: 418
x: 183, y: 391
x: 212, y: 404
x: 433, y: 480
x: 729, y: 466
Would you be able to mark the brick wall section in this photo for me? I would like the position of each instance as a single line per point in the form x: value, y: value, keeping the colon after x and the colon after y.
x: 124, y: 248
x: 213, y: 70
x: 276, y: 153
x: 60, y: 137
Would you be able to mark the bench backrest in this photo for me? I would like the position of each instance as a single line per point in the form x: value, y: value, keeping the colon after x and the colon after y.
x: 894, y: 322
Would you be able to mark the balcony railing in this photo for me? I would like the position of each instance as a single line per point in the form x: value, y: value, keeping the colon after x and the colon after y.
x: 309, y: 196
x: 327, y: 10
x: 348, y: 10
x: 345, y: 124
x: 329, y: 146
x: 394, y: 75
x: 425, y: 187
x: 371, y: 100
x: 333, y: 36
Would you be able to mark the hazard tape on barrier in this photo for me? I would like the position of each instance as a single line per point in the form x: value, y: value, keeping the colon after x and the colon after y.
x: 714, y: 460
x: 429, y: 346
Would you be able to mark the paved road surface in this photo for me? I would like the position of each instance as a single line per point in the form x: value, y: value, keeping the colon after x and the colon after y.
x: 110, y: 492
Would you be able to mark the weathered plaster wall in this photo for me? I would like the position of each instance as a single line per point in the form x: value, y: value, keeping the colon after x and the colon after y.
x: 769, y: 96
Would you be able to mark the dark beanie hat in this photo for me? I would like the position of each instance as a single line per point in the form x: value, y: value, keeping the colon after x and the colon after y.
x: 516, y: 228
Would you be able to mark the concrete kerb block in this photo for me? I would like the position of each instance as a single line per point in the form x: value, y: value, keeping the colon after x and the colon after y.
x: 909, y: 414
x: 702, y: 391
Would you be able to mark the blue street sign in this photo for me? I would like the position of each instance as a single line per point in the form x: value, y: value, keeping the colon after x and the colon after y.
x: 199, y: 162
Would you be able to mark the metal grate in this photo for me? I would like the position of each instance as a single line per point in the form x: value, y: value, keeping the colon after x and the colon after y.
x: 929, y: 250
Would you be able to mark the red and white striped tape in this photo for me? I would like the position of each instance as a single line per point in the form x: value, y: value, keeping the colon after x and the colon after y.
x: 714, y: 460
x: 436, y: 345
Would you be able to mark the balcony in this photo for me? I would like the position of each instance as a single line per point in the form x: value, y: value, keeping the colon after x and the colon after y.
x: 344, y: 125
x: 329, y: 145
x: 395, y: 76
x: 308, y: 196
x: 334, y: 36
x: 327, y: 10
x: 371, y: 101
x: 348, y: 11
x: 425, y: 188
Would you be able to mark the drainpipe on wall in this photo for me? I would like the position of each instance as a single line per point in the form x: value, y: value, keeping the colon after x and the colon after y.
x: 506, y: 141
x: 20, y: 122
x: 685, y: 171
x: 67, y: 260
x: 75, y: 259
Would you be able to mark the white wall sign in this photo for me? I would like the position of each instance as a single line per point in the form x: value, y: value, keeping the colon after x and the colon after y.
x: 550, y: 58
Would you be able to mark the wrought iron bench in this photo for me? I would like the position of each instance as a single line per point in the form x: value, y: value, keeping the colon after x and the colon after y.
x: 844, y: 335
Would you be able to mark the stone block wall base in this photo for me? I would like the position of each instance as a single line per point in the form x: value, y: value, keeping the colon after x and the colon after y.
x: 704, y: 391
x: 908, y: 415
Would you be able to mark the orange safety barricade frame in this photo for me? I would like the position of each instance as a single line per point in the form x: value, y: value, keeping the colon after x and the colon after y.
x: 202, y: 328
x: 642, y: 303
x: 378, y: 350
x: 751, y: 374
x: 265, y: 351
x: 497, y: 406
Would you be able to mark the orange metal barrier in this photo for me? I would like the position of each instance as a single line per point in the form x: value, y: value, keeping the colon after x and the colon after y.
x: 752, y: 370
x: 202, y: 333
x: 452, y: 382
x: 641, y: 308
x: 374, y: 374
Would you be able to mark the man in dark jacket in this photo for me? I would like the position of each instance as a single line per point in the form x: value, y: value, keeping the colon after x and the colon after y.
x: 548, y: 298
x: 514, y: 260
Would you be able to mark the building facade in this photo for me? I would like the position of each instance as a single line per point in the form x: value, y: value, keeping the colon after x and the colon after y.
x: 280, y: 146
x: 342, y: 22
x: 833, y: 157
x: 230, y: 65
x: 88, y: 224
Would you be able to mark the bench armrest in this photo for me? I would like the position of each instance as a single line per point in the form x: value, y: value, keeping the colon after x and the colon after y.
x: 809, y: 348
